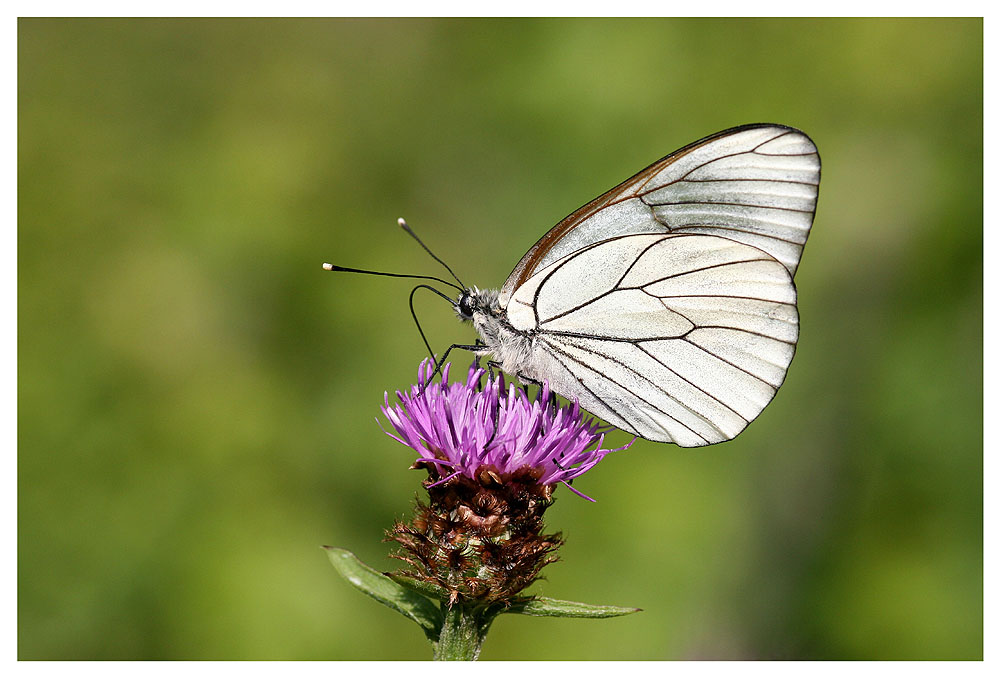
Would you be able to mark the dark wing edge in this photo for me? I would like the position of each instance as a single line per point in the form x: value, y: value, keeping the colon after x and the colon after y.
x: 531, y: 261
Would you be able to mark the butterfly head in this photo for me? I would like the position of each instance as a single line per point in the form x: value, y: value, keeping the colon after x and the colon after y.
x: 476, y: 301
x: 465, y: 306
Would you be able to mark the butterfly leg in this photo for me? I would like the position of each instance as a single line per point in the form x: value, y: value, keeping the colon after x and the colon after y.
x: 475, y: 348
x: 490, y: 364
x: 525, y: 379
x: 481, y: 344
x: 439, y: 364
x: 521, y: 377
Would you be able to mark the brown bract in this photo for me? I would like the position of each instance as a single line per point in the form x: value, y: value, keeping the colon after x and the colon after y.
x: 479, y: 540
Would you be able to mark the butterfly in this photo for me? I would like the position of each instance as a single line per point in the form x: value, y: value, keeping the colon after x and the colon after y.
x: 666, y: 306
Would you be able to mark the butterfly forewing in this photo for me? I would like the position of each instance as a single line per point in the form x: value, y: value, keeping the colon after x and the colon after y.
x: 666, y: 306
x: 756, y: 184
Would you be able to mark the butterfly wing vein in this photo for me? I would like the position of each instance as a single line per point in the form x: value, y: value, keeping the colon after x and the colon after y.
x: 675, y: 338
x: 757, y: 184
x: 666, y: 305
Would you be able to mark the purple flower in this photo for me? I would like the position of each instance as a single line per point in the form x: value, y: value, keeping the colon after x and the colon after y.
x: 460, y: 429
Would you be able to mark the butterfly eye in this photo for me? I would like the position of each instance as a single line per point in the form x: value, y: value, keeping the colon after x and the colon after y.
x: 465, y: 308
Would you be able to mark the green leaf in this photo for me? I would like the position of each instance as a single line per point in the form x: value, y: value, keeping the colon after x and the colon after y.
x: 421, y: 587
x: 375, y: 584
x: 550, y: 607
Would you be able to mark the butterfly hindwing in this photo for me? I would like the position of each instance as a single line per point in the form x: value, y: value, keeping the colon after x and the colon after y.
x: 679, y: 338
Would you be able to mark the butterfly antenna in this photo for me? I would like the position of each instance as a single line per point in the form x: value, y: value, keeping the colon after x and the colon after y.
x: 406, y: 227
x: 344, y: 269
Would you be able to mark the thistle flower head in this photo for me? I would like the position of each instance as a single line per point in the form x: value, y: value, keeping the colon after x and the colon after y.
x: 494, y: 430
x: 493, y: 456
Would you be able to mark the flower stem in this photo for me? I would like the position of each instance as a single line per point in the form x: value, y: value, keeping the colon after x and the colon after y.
x: 462, y: 633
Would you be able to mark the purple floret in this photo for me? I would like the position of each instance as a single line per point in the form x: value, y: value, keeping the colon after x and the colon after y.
x: 451, y: 426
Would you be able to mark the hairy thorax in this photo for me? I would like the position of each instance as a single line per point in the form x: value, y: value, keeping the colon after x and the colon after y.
x: 510, y: 347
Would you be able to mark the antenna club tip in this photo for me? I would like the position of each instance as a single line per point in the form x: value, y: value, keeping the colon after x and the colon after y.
x: 327, y: 267
x: 401, y: 221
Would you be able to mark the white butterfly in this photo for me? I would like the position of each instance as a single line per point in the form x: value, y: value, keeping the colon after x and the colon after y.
x: 666, y: 306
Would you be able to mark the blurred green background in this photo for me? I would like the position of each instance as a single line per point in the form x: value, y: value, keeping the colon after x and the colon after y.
x: 197, y: 398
